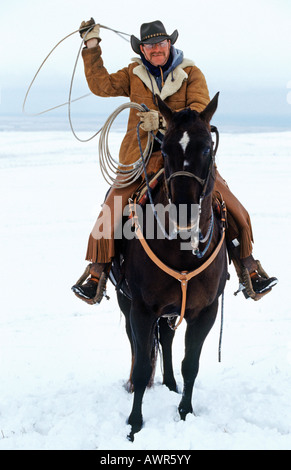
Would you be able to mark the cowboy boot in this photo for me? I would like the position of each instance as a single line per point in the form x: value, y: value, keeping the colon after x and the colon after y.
x: 254, y: 281
x: 94, y: 289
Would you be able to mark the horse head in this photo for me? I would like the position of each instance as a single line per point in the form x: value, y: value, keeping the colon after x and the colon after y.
x: 189, y: 163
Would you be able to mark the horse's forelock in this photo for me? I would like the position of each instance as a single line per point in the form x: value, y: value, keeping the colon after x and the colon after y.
x: 185, y: 116
x: 187, y: 120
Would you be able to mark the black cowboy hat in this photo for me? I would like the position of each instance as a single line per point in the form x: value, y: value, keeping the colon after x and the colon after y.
x: 151, y: 33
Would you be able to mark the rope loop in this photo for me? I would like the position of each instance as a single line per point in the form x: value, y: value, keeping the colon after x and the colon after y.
x: 115, y: 173
x: 70, y: 100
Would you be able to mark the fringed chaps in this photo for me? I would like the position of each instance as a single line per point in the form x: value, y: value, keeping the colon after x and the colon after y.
x: 101, y: 240
x: 238, y: 220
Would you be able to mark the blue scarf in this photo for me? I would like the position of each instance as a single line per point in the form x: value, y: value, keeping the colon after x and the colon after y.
x: 160, y: 73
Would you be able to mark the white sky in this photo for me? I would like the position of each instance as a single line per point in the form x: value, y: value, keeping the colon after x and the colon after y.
x: 242, y: 46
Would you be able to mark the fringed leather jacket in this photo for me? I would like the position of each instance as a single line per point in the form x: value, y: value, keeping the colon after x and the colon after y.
x: 184, y: 87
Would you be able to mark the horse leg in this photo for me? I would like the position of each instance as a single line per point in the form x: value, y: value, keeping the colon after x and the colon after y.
x: 125, y: 305
x: 166, y: 336
x: 196, y: 332
x: 143, y: 327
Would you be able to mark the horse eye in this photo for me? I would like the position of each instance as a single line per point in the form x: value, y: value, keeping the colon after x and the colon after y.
x: 206, y: 151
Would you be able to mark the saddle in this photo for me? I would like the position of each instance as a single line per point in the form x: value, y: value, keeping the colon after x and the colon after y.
x: 140, y: 196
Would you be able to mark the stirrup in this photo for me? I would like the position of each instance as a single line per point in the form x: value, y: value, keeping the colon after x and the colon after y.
x: 101, y: 286
x: 245, y: 282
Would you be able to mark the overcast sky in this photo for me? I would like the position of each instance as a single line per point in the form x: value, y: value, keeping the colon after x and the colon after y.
x: 242, y: 47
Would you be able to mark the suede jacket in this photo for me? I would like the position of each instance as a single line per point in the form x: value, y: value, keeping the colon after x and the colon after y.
x: 184, y: 87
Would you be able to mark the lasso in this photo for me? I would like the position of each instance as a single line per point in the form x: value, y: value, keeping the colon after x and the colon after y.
x: 126, y: 174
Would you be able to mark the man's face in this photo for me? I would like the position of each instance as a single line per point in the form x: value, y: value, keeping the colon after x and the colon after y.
x: 157, y: 54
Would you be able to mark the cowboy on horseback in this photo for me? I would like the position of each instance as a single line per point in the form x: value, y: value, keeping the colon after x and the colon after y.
x: 160, y: 69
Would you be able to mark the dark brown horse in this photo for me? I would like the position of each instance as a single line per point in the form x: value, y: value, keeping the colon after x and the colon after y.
x: 155, y: 295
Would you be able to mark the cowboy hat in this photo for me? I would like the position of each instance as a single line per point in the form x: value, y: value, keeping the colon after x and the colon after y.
x: 151, y: 33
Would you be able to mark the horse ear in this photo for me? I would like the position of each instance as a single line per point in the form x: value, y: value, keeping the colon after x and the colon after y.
x: 164, y: 109
x: 207, y: 113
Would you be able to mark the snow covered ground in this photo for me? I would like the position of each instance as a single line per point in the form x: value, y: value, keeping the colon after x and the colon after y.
x: 64, y: 363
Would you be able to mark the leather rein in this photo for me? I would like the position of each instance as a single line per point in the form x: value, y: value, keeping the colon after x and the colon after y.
x: 182, y: 276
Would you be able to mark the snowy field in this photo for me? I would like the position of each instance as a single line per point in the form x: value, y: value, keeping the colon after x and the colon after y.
x: 64, y: 363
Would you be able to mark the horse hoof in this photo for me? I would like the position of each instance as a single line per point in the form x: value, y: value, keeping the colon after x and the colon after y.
x: 134, y: 430
x: 130, y: 437
x: 136, y: 426
x: 172, y: 386
x: 183, y: 413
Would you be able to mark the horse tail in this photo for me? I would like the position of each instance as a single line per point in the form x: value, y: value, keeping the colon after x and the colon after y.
x: 154, y: 354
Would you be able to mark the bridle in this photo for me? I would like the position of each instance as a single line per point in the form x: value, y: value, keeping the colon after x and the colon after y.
x: 204, y: 184
x: 182, y: 276
x: 186, y: 173
x: 202, y: 181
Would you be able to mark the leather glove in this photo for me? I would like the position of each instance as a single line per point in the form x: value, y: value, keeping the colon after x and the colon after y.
x: 151, y: 120
x: 94, y: 30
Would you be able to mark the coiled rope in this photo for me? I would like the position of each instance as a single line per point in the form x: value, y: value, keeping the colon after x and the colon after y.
x: 110, y: 167
x: 128, y: 173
